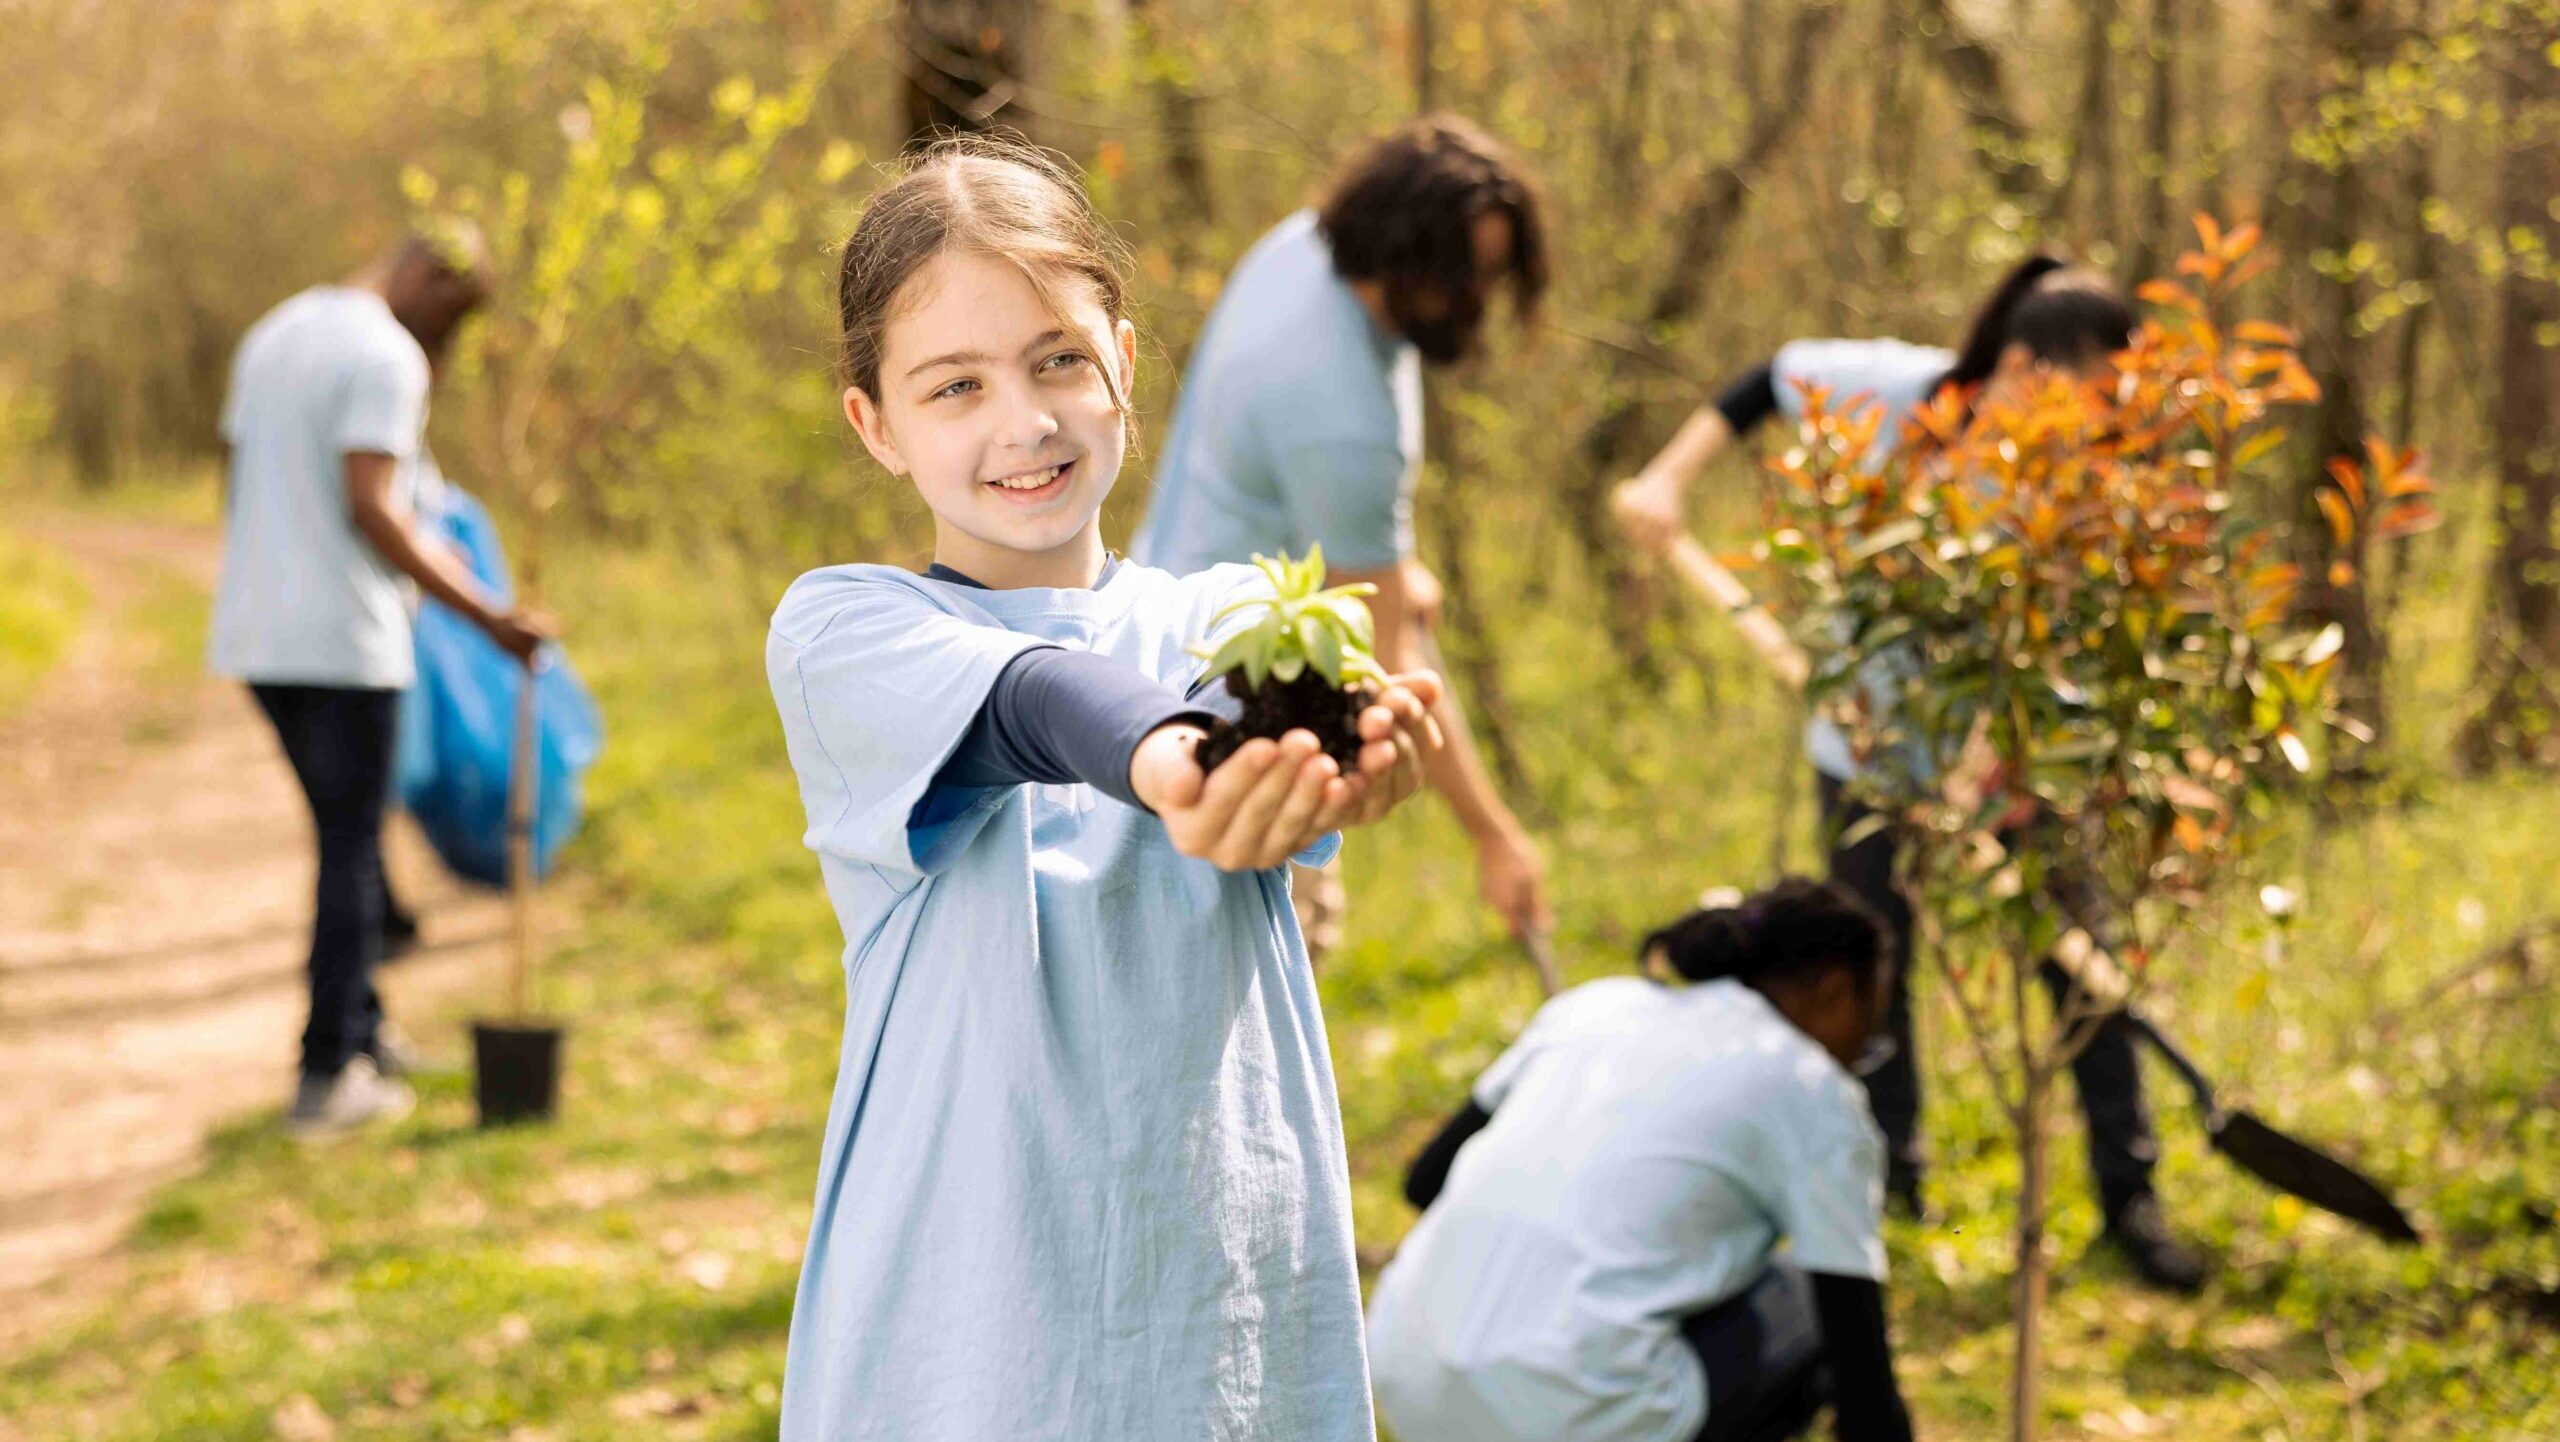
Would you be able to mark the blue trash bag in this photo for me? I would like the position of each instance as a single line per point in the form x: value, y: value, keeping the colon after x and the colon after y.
x: 457, y: 723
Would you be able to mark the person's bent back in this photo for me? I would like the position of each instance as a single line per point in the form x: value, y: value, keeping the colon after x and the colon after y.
x: 1596, y: 1259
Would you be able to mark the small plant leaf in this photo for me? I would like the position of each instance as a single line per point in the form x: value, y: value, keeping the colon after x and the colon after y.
x: 2296, y: 755
x: 1319, y: 633
x: 2332, y: 638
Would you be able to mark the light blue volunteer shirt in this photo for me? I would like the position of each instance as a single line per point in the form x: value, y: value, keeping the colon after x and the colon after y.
x: 1899, y: 377
x: 1299, y: 422
x: 1084, y: 1173
x: 1648, y: 1149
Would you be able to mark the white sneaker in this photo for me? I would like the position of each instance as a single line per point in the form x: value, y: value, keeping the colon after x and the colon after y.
x: 358, y: 1096
x: 394, y: 1055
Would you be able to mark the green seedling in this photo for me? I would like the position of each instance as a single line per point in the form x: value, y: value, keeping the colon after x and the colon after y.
x: 1303, y: 624
x: 1309, y: 659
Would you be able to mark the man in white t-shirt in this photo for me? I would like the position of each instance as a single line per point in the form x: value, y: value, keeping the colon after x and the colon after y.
x: 322, y: 558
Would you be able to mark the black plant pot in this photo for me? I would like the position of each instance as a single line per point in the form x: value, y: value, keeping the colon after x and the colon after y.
x: 516, y: 1070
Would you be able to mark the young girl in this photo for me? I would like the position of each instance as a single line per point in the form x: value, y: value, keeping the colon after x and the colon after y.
x: 1084, y: 1172
x: 1595, y: 1257
x: 2045, y: 315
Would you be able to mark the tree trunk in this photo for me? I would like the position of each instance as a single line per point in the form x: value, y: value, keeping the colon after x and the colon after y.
x: 1753, y: 22
x: 1890, y: 133
x: 2337, y: 356
x: 962, y: 60
x: 1479, y: 662
x: 1972, y: 67
x: 2519, y: 656
x: 2155, y: 240
x: 2209, y: 154
x: 1177, y: 109
x: 2093, y: 144
x: 2027, y: 1286
x: 1425, y: 93
x: 1700, y: 232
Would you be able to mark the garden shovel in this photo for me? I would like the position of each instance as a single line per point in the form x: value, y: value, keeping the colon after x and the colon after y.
x: 1541, y: 946
x: 2288, y: 1164
x: 516, y: 1058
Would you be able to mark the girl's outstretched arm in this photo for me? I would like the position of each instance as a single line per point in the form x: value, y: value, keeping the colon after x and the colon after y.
x: 1057, y: 716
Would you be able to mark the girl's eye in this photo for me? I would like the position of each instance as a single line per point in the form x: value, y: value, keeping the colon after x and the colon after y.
x: 957, y: 387
x: 1062, y: 360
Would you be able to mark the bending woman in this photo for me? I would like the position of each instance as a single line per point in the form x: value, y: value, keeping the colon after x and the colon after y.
x: 2045, y: 316
x: 1596, y: 1259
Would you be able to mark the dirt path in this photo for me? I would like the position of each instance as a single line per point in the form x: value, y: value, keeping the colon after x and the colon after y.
x: 153, y: 922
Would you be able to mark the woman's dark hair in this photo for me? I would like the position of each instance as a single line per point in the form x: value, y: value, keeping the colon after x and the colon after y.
x: 2060, y: 312
x: 1403, y: 210
x: 1794, y: 929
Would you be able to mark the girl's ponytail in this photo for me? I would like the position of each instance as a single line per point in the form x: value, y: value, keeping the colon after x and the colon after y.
x: 1990, y: 333
x: 1796, y: 927
x: 1710, y: 945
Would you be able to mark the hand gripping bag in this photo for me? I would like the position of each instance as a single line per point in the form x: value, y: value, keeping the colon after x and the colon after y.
x: 457, y: 723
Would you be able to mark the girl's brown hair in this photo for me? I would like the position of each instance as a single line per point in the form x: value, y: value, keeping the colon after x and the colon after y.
x: 996, y: 196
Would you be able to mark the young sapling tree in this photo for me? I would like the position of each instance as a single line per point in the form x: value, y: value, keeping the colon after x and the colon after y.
x: 1306, y: 658
x: 2074, y: 668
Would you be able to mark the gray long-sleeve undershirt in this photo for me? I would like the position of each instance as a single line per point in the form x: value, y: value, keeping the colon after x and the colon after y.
x: 1057, y: 717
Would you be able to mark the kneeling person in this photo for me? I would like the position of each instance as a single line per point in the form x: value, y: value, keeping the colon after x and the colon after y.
x: 1597, y: 1255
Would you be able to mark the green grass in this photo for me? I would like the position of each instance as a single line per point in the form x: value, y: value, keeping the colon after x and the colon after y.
x: 162, y: 629
x: 629, y: 1270
x: 41, y: 606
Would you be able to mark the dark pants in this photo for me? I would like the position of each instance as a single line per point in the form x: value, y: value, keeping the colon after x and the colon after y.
x: 339, y: 740
x: 1763, y: 1355
x: 2107, y: 1073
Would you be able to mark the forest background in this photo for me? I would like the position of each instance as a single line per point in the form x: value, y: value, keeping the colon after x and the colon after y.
x: 650, y: 407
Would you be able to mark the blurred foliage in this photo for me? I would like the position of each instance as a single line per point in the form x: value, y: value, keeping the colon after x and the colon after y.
x: 663, y: 179
x: 2047, y: 602
x: 41, y: 606
x: 1302, y: 623
x: 629, y: 1271
x: 2067, y: 659
x: 671, y: 172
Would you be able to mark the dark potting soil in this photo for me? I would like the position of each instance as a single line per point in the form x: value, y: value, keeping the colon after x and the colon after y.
x: 1278, y: 707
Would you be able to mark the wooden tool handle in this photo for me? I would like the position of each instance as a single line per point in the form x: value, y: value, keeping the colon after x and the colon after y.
x: 524, y: 775
x: 1760, y: 630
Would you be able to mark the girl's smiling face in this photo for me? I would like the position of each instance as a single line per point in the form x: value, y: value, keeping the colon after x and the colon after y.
x: 1000, y: 410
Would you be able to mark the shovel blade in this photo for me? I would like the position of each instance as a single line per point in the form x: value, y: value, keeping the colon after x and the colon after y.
x: 1541, y: 947
x: 2299, y: 1169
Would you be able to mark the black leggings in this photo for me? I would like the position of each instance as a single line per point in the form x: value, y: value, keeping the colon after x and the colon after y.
x: 1764, y: 1358
x: 339, y: 740
x: 2107, y: 1074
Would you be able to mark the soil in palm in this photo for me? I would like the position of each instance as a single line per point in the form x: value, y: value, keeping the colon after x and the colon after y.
x: 1277, y: 707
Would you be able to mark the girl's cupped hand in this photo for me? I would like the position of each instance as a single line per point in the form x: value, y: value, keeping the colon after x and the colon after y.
x: 1273, y: 799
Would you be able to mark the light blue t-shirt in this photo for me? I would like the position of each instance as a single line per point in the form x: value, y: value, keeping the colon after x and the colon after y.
x: 1084, y: 1173
x: 1897, y: 377
x: 1299, y: 422
x: 1649, y: 1148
